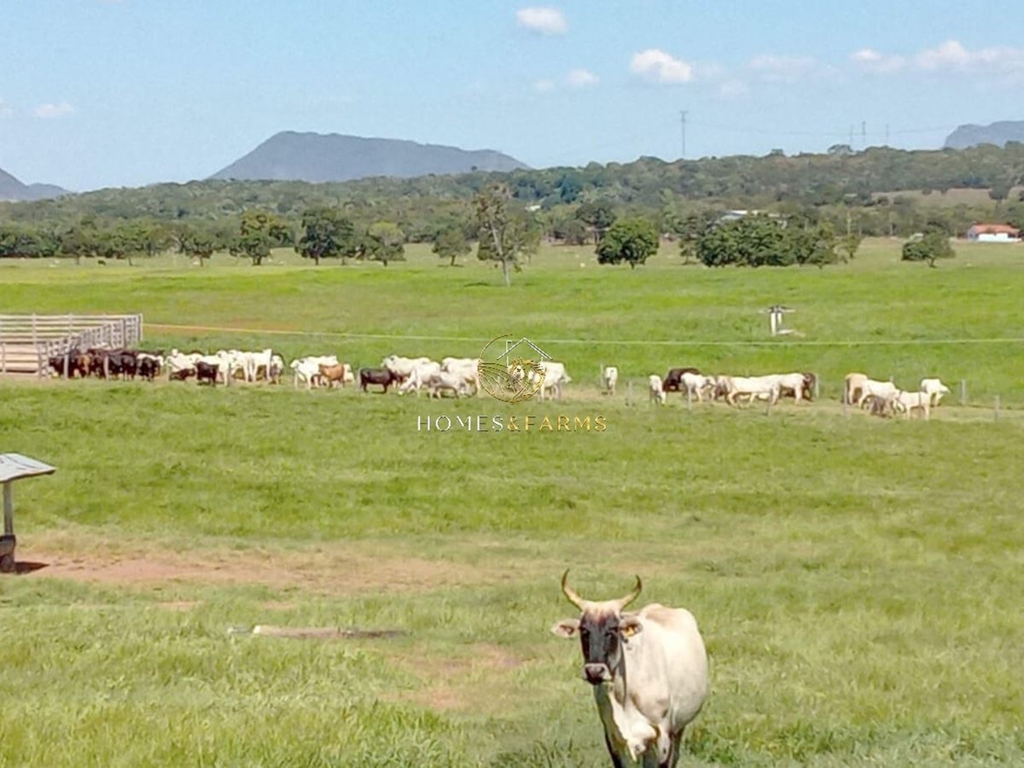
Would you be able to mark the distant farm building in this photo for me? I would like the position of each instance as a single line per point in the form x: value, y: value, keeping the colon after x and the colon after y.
x: 993, y: 233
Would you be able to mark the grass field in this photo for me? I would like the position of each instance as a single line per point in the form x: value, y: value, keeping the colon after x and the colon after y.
x: 857, y: 581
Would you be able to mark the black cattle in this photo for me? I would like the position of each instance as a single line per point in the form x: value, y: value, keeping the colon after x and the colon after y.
x: 674, y: 378
x: 182, y: 374
x: 148, y: 368
x: 69, y: 364
x: 206, y: 372
x: 379, y: 376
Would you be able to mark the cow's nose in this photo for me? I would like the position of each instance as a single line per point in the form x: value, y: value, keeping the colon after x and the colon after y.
x: 595, y: 673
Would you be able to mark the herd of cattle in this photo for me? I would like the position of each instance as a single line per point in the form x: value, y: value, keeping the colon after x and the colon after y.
x: 460, y: 377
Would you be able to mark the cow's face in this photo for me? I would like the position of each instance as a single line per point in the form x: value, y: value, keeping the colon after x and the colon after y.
x: 603, y: 631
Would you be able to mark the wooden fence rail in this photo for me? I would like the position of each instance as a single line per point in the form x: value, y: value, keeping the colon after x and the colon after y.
x: 28, y: 341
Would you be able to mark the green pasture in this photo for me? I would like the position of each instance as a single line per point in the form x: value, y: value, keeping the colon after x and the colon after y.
x: 857, y: 580
x: 875, y: 315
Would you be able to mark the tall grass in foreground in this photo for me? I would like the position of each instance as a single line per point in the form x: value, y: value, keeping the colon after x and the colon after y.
x: 857, y: 580
x: 853, y: 578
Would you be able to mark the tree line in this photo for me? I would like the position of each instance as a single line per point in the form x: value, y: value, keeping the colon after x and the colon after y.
x: 619, y: 209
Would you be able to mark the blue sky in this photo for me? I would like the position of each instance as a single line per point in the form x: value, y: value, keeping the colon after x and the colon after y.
x: 99, y: 93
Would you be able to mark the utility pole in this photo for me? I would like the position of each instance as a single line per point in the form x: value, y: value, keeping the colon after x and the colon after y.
x: 682, y: 118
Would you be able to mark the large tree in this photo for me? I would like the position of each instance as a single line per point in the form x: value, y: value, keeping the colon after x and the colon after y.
x: 81, y: 239
x: 599, y: 216
x: 451, y: 243
x: 629, y: 240
x: 505, y: 235
x: 384, y: 242
x: 195, y: 242
x: 934, y: 245
x: 326, y: 234
x: 258, y: 232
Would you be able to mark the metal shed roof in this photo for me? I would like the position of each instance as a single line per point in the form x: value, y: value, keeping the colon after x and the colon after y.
x: 14, y: 466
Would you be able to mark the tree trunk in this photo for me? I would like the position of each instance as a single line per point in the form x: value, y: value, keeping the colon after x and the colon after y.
x: 507, y: 273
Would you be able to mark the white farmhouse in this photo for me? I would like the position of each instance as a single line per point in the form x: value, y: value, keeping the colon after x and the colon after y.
x: 993, y: 233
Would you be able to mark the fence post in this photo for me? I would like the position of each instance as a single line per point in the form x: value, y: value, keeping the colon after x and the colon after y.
x: 963, y: 391
x: 629, y: 392
x: 106, y: 365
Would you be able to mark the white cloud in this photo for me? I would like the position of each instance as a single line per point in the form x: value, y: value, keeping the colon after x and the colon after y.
x: 871, y: 60
x: 545, y: 21
x: 543, y: 86
x: 950, y: 56
x: 581, y: 78
x: 783, y: 69
x: 53, y: 110
x: 656, y: 65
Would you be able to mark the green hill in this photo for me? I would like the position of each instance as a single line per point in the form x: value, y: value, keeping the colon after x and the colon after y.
x: 314, y: 157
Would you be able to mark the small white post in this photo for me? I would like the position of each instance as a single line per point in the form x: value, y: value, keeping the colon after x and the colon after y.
x: 997, y: 408
x: 817, y: 388
x: 963, y: 391
x: 629, y: 392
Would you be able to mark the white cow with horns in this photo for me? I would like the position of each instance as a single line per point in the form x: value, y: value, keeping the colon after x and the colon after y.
x: 649, y: 670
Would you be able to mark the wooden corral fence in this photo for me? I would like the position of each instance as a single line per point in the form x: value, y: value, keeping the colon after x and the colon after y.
x: 28, y: 341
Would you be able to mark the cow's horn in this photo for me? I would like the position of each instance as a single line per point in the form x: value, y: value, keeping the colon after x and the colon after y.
x: 569, y: 592
x: 623, y: 602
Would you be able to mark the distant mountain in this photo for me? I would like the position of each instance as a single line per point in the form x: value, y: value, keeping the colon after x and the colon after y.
x: 997, y: 133
x: 12, y: 189
x: 315, y: 157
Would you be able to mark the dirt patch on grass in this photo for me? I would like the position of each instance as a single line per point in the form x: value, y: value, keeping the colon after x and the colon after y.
x: 464, y: 682
x: 338, y: 569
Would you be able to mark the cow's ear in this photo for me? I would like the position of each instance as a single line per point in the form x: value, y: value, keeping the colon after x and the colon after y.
x: 629, y: 626
x: 566, y: 628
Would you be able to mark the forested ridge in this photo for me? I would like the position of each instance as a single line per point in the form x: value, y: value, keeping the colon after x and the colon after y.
x: 877, y: 191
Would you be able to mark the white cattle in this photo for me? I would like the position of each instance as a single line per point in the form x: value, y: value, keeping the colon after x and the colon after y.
x: 447, y: 382
x: 697, y: 385
x: 610, y: 377
x: 649, y: 671
x: 254, y: 361
x: 418, y: 377
x: 466, y: 368
x: 232, y: 362
x: 275, y: 370
x: 854, y: 387
x: 181, y: 366
x: 799, y: 385
x: 750, y: 387
x: 935, y: 390
x: 307, y: 369
x: 402, y: 366
x: 554, y: 377
x: 655, y: 390
x: 882, y: 390
x: 906, y: 402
